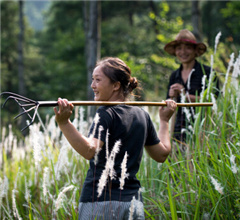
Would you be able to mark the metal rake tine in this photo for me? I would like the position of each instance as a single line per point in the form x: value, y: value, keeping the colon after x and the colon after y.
x: 23, y: 102
x: 18, y: 96
x: 32, y: 118
x: 35, y: 113
x: 32, y: 102
x: 23, y: 105
x: 26, y: 126
x: 14, y: 98
x: 27, y: 105
x: 9, y: 97
x: 25, y: 112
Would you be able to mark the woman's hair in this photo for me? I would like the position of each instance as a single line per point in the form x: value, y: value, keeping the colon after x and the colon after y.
x: 117, y: 71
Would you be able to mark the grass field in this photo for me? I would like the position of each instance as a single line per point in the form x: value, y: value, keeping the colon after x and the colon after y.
x: 41, y: 176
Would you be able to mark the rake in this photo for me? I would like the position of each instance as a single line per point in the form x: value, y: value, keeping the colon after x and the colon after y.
x: 29, y: 105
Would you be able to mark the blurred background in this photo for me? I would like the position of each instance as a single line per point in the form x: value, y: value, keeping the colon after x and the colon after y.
x: 49, y: 48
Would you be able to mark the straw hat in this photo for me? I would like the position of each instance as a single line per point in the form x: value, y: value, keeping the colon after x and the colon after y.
x: 185, y: 36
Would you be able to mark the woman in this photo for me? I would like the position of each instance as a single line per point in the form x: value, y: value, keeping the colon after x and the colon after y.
x: 187, y: 79
x: 115, y: 144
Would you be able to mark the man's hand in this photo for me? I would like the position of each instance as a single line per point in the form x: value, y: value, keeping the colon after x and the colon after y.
x: 175, y: 90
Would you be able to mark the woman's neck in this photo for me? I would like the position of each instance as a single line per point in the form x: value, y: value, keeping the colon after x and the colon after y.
x: 117, y: 96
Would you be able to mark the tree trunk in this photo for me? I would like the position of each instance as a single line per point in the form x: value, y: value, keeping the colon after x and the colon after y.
x: 93, y: 37
x: 92, y: 26
x: 153, y: 8
x: 21, y: 81
x: 196, y: 21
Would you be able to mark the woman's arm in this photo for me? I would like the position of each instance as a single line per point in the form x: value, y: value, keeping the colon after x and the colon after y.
x: 83, y: 145
x: 160, y: 151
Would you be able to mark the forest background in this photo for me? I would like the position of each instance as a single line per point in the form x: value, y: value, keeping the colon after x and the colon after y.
x: 49, y: 48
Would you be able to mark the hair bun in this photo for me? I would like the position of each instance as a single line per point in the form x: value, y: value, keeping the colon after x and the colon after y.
x: 133, y: 83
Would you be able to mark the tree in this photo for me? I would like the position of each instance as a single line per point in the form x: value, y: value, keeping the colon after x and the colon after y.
x: 9, y: 31
x: 21, y: 80
x: 92, y: 28
x: 196, y: 19
x: 61, y: 45
x: 92, y: 24
x: 212, y: 20
x: 231, y: 15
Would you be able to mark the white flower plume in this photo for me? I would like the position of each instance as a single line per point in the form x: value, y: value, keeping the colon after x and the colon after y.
x: 124, y: 173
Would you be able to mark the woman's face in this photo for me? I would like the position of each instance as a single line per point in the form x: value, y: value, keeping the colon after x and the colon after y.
x: 103, y: 88
x: 186, y: 53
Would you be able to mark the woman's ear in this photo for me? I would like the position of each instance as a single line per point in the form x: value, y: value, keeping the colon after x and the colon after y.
x: 116, y: 86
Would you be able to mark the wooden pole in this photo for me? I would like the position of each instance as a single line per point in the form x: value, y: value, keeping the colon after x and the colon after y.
x: 138, y: 103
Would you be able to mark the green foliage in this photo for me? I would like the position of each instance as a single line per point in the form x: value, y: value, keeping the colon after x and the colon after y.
x: 37, y: 174
x: 9, y: 53
x: 162, y: 63
x: 224, y: 18
x: 65, y: 70
x: 9, y: 33
x: 204, y: 179
x: 232, y: 13
x: 62, y: 46
x: 55, y: 66
x: 54, y: 57
x: 202, y: 182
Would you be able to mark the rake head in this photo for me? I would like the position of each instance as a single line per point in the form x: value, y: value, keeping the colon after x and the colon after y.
x: 26, y: 104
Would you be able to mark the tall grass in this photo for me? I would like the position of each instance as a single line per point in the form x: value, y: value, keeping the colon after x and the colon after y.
x: 41, y: 177
x: 203, y: 182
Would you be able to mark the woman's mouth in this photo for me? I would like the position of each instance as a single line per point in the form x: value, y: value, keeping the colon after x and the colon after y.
x: 95, y: 93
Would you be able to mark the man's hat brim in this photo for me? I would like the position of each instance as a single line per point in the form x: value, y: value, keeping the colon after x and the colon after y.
x: 170, y: 47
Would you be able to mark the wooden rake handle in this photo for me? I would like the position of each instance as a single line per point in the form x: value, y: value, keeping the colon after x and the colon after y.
x: 137, y: 103
x: 29, y: 105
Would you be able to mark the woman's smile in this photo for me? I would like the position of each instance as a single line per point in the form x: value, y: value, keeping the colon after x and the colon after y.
x: 102, y: 86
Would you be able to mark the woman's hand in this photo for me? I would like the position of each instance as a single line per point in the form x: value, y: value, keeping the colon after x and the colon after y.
x: 64, y: 111
x: 166, y: 112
